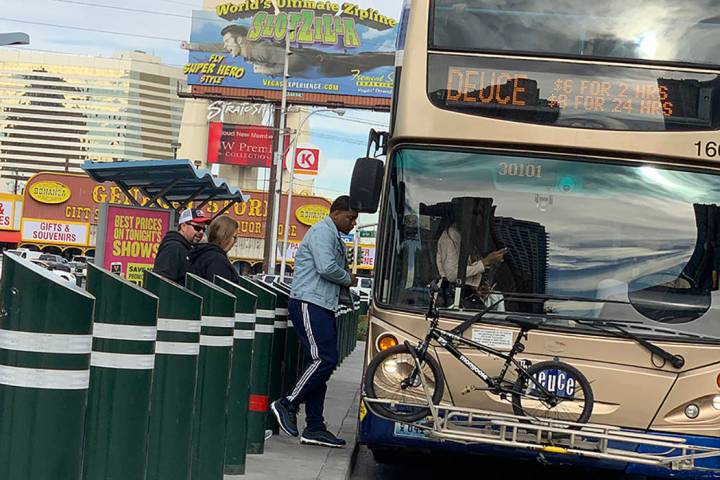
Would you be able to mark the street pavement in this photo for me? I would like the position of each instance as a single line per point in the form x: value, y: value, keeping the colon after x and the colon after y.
x: 487, y: 468
x: 286, y: 459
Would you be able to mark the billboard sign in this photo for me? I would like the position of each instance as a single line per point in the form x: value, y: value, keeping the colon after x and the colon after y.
x: 341, y: 49
x: 132, y: 237
x: 247, y: 146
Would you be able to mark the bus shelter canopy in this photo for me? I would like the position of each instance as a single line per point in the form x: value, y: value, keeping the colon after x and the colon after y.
x: 173, y: 181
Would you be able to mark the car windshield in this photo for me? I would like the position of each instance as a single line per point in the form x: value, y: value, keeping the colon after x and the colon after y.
x: 644, y: 237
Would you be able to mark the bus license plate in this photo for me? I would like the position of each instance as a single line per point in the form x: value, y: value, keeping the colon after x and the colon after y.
x: 557, y: 382
x: 409, y: 431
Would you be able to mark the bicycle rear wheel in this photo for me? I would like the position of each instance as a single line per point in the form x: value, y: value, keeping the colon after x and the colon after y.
x: 571, y: 397
x: 384, y: 378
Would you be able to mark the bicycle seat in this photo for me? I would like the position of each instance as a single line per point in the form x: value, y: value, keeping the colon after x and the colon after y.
x: 526, y: 323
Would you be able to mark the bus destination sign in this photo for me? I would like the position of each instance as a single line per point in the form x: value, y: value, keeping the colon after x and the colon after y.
x: 575, y: 95
x: 517, y: 89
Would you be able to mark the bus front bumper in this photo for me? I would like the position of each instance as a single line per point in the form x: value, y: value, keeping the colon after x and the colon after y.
x: 648, y: 453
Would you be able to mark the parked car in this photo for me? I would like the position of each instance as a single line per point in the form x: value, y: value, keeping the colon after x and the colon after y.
x: 79, y: 264
x: 363, y: 287
x: 52, y: 258
x: 59, y: 269
x: 26, y: 253
x: 270, y: 278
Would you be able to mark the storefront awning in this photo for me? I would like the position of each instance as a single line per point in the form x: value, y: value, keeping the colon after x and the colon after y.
x: 9, y: 236
x: 173, y: 181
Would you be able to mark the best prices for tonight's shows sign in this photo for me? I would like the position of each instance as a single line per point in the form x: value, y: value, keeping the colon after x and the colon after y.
x: 132, y: 237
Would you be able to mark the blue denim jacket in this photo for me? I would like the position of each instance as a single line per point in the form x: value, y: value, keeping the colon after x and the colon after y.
x: 320, y: 266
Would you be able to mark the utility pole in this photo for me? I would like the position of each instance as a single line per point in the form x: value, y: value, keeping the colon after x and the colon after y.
x: 275, y: 186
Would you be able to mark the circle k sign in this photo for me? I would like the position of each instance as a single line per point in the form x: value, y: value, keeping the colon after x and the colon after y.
x: 307, y: 161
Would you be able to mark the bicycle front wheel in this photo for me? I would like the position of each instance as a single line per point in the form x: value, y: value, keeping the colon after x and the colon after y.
x: 567, y: 396
x: 392, y: 376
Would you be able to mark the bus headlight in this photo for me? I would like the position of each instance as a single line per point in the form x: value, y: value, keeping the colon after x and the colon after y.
x: 716, y: 402
x: 692, y: 411
x: 385, y: 341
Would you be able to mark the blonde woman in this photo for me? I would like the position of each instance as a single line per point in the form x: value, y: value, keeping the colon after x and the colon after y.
x: 210, y: 259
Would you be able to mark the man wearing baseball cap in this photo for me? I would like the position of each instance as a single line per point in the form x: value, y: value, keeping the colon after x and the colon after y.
x: 172, y: 258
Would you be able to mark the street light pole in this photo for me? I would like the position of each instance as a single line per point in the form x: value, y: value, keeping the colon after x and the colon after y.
x: 276, y: 188
x: 356, y: 244
x: 291, y: 173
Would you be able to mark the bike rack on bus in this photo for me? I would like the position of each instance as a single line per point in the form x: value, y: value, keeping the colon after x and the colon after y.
x: 469, y: 425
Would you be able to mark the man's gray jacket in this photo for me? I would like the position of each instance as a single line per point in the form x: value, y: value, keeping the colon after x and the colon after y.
x: 320, y: 266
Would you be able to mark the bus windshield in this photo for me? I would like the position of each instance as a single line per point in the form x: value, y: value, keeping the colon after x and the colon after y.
x: 644, y: 237
x: 657, y: 30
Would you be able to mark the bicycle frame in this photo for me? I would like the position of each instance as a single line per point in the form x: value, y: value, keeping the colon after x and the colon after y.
x: 445, y: 339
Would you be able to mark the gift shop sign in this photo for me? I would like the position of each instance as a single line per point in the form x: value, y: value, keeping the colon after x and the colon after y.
x: 55, y: 232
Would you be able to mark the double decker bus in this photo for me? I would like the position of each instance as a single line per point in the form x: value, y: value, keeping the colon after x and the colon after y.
x: 564, y: 159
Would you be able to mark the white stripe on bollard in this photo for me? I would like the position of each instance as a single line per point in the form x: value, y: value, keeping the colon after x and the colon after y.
x: 175, y: 325
x: 245, y: 317
x: 112, y: 331
x: 220, y: 322
x: 43, y: 378
x: 215, y: 341
x: 280, y: 324
x: 44, y: 342
x: 281, y: 311
x: 122, y: 361
x: 260, y: 328
x: 245, y: 334
x: 265, y: 313
x: 177, y: 348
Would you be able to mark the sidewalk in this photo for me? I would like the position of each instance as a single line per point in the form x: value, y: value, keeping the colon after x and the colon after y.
x: 286, y: 459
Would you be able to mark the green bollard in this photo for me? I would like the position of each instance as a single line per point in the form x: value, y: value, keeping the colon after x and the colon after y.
x: 279, y: 359
x: 175, y: 377
x: 45, y: 344
x: 292, y: 367
x: 262, y: 355
x: 239, y: 396
x: 209, y: 426
x: 122, y: 362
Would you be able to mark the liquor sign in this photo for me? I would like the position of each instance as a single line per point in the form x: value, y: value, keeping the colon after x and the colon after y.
x: 247, y: 146
x: 55, y: 232
x: 129, y: 238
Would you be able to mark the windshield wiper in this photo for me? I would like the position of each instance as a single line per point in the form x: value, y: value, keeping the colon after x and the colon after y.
x: 676, y: 361
x: 541, y: 297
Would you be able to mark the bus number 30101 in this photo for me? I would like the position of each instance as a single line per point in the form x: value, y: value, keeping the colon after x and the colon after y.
x: 519, y: 170
x: 708, y: 149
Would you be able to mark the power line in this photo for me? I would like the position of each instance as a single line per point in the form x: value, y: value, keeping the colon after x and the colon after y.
x: 125, y: 9
x: 141, y: 10
x: 181, y: 3
x: 93, y: 30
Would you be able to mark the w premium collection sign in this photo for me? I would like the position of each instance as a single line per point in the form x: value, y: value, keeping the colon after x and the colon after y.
x: 247, y: 146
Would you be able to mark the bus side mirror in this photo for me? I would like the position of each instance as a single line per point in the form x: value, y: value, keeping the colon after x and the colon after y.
x: 366, y: 185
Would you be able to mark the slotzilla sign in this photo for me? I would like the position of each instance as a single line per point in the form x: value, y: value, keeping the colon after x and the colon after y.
x: 337, y: 48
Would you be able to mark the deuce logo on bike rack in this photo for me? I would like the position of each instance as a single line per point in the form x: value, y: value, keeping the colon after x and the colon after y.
x: 557, y: 382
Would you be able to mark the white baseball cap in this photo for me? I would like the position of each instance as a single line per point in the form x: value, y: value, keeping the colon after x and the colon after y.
x: 193, y: 215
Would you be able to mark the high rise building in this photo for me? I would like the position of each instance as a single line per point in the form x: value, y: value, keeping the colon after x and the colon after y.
x: 59, y: 110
